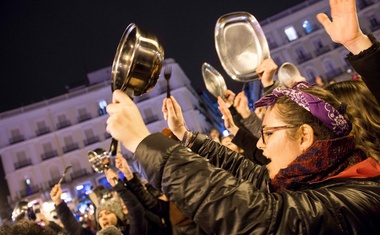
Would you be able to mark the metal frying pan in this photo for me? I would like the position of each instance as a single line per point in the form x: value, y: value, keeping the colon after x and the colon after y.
x: 137, y: 65
x: 241, y: 45
x: 214, y: 81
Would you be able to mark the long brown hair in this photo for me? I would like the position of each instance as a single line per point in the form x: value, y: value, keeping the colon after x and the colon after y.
x: 367, y: 127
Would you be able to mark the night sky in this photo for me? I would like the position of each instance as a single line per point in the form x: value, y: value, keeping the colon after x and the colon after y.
x: 46, y: 45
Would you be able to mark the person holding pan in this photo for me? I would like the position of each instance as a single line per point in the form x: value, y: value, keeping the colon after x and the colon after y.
x: 318, y: 181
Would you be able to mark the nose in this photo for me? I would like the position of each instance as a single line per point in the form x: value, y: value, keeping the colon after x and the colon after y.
x: 260, y: 144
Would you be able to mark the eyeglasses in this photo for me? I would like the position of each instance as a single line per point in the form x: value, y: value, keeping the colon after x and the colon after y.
x: 269, y: 130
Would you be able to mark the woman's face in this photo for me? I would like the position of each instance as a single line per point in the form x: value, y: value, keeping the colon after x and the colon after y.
x: 107, y: 218
x: 278, y: 147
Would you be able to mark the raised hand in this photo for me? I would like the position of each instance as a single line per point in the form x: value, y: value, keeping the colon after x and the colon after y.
x: 229, y: 97
x: 266, y: 70
x: 122, y: 164
x: 125, y: 122
x: 55, y: 194
x: 111, y: 176
x: 173, y: 115
x: 228, y: 120
x: 241, y: 105
x: 344, y: 26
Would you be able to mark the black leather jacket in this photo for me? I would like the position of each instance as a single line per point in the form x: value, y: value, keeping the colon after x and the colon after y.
x: 221, y: 203
x: 366, y: 64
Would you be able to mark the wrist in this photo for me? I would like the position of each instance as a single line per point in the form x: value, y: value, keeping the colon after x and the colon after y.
x: 358, y: 45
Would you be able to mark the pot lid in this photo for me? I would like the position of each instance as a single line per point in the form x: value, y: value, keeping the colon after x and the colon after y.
x: 241, y: 45
x: 214, y: 81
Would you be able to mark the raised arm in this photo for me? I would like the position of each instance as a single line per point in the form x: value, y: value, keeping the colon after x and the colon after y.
x: 344, y: 26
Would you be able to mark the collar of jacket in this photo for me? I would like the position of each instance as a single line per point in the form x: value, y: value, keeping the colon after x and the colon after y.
x: 323, y: 160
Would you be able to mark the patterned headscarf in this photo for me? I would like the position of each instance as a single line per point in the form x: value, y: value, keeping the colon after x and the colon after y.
x: 330, y: 116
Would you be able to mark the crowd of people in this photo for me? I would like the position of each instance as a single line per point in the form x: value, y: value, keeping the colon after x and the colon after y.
x: 305, y: 161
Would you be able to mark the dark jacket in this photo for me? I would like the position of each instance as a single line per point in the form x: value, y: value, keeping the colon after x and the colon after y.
x: 220, y: 203
x: 70, y: 223
x: 367, y: 64
x: 155, y: 210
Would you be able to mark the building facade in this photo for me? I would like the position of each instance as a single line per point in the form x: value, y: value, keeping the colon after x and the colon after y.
x: 296, y: 36
x: 38, y: 141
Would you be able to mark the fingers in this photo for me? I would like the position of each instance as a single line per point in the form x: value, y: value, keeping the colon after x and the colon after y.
x: 164, y: 109
x: 323, y: 19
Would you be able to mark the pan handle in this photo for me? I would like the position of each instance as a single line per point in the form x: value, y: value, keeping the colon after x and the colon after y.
x: 114, y: 143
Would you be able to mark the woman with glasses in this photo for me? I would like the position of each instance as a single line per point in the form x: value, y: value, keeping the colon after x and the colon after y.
x: 319, y: 180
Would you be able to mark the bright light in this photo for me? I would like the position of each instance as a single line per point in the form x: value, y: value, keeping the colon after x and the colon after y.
x: 79, y: 187
x: 226, y: 133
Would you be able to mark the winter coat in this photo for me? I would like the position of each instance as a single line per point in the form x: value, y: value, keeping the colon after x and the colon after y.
x: 221, y: 203
x: 366, y: 64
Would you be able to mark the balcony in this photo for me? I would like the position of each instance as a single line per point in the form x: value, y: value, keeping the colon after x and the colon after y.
x: 321, y: 50
x: 42, y: 131
x: 29, y: 191
x: 16, y: 139
x: 69, y: 148
x: 334, y: 73
x: 48, y: 155
x: 304, y: 58
x: 77, y: 174
x: 21, y: 164
x: 63, y: 124
x: 84, y: 117
x: 272, y: 45
x: 91, y: 140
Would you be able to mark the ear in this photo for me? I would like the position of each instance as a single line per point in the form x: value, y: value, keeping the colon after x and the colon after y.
x: 307, y: 136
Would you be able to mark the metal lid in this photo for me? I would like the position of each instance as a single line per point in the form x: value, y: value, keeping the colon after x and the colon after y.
x: 241, y: 45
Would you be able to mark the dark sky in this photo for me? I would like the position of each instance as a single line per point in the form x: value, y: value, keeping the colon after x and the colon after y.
x: 47, y: 44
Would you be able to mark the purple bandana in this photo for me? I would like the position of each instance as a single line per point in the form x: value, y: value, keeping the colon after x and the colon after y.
x: 316, y: 106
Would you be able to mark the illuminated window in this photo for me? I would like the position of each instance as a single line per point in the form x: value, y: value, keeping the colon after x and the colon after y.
x: 291, y: 33
x: 307, y: 26
x: 102, y: 107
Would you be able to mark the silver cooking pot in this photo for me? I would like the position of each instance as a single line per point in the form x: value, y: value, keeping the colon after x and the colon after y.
x: 99, y: 160
x: 137, y: 63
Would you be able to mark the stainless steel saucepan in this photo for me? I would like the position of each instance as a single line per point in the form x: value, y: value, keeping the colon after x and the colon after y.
x: 137, y: 65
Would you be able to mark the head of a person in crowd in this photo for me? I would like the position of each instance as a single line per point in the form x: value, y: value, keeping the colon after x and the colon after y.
x: 215, y: 134
x: 29, y: 227
x: 110, y: 212
x: 295, y: 119
x: 367, y: 129
x: 227, y: 141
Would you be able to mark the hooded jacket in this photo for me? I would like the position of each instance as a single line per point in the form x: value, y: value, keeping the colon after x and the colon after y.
x: 236, y: 200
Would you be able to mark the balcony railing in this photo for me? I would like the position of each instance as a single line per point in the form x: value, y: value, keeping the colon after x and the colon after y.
x: 69, y: 148
x: 22, y: 164
x: 29, y: 191
x: 91, y: 140
x: 334, y: 73
x: 63, y: 124
x: 77, y: 174
x: 42, y: 131
x: 48, y: 155
x: 321, y: 50
x: 304, y: 58
x: 16, y: 139
x: 84, y: 117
